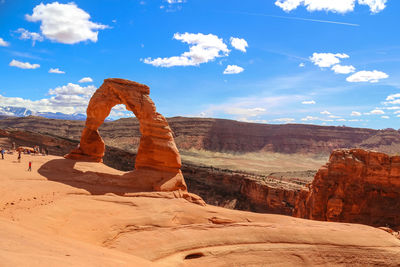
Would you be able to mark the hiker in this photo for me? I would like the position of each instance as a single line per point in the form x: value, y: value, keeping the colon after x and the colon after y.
x: 19, y: 156
x: 30, y: 166
x: 2, y: 153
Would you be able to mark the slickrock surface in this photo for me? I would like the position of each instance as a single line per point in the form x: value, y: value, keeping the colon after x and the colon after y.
x: 355, y: 186
x: 66, y: 213
x: 157, y: 158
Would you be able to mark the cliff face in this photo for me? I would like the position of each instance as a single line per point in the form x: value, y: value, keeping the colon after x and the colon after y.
x: 241, y: 191
x: 225, y: 135
x: 355, y: 186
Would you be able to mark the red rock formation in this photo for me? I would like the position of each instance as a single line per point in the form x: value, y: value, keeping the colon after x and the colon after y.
x: 355, y: 186
x: 157, y: 159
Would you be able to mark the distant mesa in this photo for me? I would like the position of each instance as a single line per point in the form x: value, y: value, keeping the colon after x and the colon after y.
x: 158, y: 163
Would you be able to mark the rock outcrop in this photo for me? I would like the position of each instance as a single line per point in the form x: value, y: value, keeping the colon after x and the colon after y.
x: 158, y: 160
x: 355, y: 186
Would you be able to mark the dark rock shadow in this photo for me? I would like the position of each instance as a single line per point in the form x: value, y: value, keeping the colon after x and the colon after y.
x: 98, y: 183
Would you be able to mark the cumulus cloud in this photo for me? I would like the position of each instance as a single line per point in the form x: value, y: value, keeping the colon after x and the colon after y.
x: 340, y: 69
x: 355, y: 113
x: 65, y: 23
x: 233, y: 69
x: 336, y: 6
x: 68, y: 99
x: 72, y: 89
x: 3, y: 43
x: 27, y: 35
x: 86, y: 80
x: 367, y: 76
x: 239, y: 44
x: 23, y: 65
x: 325, y: 112
x: 326, y: 60
x: 311, y: 102
x: 374, y: 5
x: 56, y: 70
x: 301, y: 65
x: 202, y: 49
x: 385, y: 117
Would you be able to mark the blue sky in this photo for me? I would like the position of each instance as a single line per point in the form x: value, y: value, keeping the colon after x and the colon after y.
x: 279, y: 61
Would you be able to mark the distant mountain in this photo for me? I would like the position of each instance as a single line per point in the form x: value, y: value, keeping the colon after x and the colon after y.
x: 24, y: 112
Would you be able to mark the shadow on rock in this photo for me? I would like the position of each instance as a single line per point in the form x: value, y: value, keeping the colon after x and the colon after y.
x: 143, y: 182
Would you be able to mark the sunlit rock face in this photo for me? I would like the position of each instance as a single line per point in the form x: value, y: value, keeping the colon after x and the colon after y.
x: 355, y: 186
x: 157, y: 155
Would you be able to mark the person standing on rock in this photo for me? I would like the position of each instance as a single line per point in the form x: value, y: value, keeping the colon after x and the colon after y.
x: 30, y: 166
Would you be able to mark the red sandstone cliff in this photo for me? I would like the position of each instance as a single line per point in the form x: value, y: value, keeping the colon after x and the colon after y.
x: 355, y: 186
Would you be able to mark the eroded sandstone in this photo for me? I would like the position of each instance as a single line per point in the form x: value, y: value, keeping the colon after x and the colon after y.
x: 355, y: 186
x: 158, y: 160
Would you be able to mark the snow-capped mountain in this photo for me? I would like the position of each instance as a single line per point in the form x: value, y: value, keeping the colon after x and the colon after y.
x: 24, y: 112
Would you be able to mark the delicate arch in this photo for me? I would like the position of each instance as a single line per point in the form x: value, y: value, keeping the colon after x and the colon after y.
x: 157, y: 149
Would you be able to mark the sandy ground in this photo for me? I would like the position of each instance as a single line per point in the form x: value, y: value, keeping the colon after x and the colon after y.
x: 65, y: 213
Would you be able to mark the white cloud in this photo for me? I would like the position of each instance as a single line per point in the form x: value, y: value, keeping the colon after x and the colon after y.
x: 337, y: 6
x: 72, y: 89
x: 325, y: 112
x: 247, y: 112
x: 333, y: 116
x: 393, y: 108
x: 310, y: 118
x: 311, y: 102
x: 86, y: 80
x: 285, y: 120
x: 68, y: 99
x: 23, y: 65
x: 374, y: 5
x: 340, y: 69
x: 325, y: 60
x: 239, y: 44
x: 385, y: 117
x: 65, y: 23
x: 301, y: 65
x: 26, y: 35
x: 203, y: 48
x: 233, y: 69
x: 175, y: 1
x: 392, y: 97
x: 377, y: 112
x: 3, y: 43
x: 367, y: 76
x: 396, y: 112
x: 355, y: 113
x: 56, y: 70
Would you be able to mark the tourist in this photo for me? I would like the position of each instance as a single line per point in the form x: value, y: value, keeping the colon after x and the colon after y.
x: 2, y: 153
x: 19, y: 155
x: 30, y: 166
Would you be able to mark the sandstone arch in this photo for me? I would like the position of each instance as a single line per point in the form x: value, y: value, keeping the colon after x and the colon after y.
x: 158, y: 160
